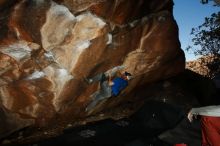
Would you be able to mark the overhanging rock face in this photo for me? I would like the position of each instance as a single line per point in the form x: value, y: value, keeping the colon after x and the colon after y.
x: 48, y: 47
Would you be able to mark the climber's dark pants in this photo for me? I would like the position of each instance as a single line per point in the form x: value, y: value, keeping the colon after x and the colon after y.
x: 104, y: 92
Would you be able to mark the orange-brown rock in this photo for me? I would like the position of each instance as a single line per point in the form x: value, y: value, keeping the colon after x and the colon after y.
x: 48, y: 47
x: 200, y: 65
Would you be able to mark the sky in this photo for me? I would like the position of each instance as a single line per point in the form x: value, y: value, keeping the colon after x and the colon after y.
x: 189, y: 14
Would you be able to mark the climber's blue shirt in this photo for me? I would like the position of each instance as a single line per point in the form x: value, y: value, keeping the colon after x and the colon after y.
x: 119, y: 85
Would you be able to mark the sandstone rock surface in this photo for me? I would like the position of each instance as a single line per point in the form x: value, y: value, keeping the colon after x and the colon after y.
x: 48, y: 47
x: 201, y: 64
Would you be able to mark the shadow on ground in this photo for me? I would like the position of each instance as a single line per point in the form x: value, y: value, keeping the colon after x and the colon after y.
x: 155, y: 124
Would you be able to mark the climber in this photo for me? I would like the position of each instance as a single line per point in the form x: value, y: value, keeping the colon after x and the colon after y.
x: 108, y: 86
x: 210, y: 124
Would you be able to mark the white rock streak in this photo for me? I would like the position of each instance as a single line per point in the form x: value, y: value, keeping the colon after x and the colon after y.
x: 49, y: 55
x: 82, y: 45
x: 109, y: 39
x: 133, y: 23
x: 20, y: 50
x: 36, y: 75
x: 95, y: 19
x: 59, y: 77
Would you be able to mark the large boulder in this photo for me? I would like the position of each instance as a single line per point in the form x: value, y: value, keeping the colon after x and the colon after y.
x: 48, y: 47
